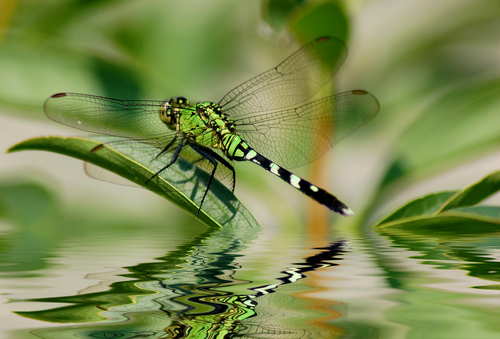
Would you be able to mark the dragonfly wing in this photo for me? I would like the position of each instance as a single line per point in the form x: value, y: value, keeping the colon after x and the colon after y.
x: 146, y: 153
x: 99, y: 173
x: 295, y: 80
x: 297, y: 136
x: 133, y: 127
x: 123, y: 118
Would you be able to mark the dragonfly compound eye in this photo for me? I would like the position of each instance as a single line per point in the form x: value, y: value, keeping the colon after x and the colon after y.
x: 167, y: 115
x: 179, y: 102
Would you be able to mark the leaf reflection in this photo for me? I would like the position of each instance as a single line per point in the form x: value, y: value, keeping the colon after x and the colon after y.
x: 185, y: 295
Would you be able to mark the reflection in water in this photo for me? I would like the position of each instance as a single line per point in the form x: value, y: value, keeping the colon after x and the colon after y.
x: 184, y: 295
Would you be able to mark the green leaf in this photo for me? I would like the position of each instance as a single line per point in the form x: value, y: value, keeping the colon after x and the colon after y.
x: 182, y: 184
x: 448, y: 213
x: 484, y: 211
x: 307, y: 20
x: 276, y: 12
x: 426, y: 205
x: 444, y: 226
x: 319, y: 19
x: 476, y: 193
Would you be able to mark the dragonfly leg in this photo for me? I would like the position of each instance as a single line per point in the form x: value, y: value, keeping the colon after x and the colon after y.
x: 223, y: 162
x: 166, y: 148
x: 226, y: 164
x: 172, y: 161
x: 214, y: 159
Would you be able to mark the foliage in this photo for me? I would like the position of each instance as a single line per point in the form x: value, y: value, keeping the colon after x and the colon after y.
x: 449, y: 213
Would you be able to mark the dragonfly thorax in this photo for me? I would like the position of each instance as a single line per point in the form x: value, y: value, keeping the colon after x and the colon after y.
x: 205, y: 124
x: 212, y: 114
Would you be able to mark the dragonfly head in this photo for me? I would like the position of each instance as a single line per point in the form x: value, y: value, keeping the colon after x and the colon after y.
x: 170, y: 110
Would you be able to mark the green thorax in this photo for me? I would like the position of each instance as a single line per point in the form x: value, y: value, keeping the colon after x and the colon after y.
x: 203, y: 124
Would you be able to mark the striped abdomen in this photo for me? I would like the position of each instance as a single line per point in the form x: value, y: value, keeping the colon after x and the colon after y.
x: 240, y: 151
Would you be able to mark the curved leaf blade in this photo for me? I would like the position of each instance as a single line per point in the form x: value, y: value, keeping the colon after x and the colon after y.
x: 462, y: 201
x: 448, y: 214
x: 427, y: 205
x: 485, y: 212
x: 220, y: 209
x: 444, y: 226
x: 475, y: 193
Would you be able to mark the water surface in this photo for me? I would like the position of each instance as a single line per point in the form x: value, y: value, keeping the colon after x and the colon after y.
x: 184, y: 281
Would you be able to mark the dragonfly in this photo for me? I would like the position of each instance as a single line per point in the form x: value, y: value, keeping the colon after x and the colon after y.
x: 270, y: 120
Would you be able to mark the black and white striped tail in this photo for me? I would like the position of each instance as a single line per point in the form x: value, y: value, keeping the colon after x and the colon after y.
x: 318, y: 194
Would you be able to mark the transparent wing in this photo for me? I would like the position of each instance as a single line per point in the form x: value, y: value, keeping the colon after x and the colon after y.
x: 146, y: 152
x: 297, y: 136
x: 191, y: 176
x: 295, y: 80
x: 124, y: 118
x: 136, y: 120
